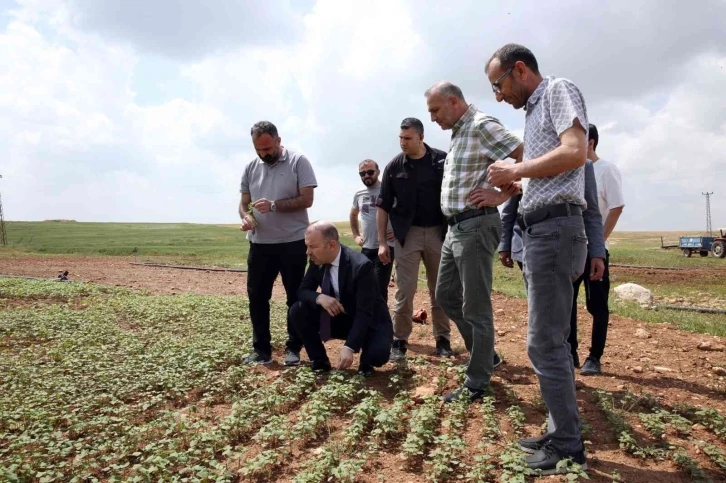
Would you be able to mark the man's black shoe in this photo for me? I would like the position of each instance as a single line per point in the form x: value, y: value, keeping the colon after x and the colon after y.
x: 531, y: 445
x: 366, y: 370
x: 443, y: 347
x: 257, y: 358
x: 321, y: 366
x: 398, y: 351
x: 591, y: 367
x: 467, y: 392
x: 497, y: 360
x: 545, y: 460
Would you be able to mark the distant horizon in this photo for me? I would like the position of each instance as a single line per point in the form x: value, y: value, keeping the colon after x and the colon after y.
x: 715, y: 229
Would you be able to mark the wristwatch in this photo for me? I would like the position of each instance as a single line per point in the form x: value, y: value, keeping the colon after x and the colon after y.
x: 273, y: 206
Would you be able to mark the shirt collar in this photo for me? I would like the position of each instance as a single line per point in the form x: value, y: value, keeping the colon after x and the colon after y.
x: 336, y: 262
x: 537, y: 94
x: 466, y: 117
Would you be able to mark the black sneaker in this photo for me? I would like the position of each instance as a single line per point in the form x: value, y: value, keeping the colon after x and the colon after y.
x: 366, y: 370
x: 576, y: 360
x: 398, y: 351
x: 443, y: 347
x: 532, y: 445
x: 321, y: 366
x: 465, y: 391
x: 545, y: 460
x: 497, y: 360
x: 257, y: 358
x: 292, y: 358
x: 591, y: 367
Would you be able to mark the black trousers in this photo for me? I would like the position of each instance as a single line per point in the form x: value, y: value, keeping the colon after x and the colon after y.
x: 383, y: 272
x: 306, y: 320
x: 597, y: 305
x: 264, y: 263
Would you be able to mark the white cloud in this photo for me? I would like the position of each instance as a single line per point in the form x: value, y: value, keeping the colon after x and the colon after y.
x: 337, y: 80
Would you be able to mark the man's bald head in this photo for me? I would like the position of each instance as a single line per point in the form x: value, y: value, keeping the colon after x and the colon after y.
x: 322, y: 241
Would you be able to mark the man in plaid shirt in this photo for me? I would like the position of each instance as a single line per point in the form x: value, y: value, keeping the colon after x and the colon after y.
x: 464, y: 285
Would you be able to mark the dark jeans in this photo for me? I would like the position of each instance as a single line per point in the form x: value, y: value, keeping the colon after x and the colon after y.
x: 305, y: 319
x: 383, y: 272
x: 596, y: 298
x: 555, y: 250
x: 264, y: 263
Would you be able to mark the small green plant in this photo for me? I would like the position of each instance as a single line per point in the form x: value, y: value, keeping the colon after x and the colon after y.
x: 689, y: 465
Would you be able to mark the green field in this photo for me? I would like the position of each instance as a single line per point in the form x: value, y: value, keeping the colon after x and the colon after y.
x: 225, y: 245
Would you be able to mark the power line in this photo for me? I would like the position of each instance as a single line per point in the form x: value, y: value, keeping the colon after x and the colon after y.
x: 3, y: 236
x: 708, y: 211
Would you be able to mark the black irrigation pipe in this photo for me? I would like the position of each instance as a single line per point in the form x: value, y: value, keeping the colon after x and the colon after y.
x: 704, y: 310
x: 26, y: 278
x: 650, y: 268
x: 186, y: 267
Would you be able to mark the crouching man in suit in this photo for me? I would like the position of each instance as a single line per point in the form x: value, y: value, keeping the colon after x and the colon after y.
x: 349, y: 305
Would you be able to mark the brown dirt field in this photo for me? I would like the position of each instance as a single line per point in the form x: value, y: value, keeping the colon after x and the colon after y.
x: 684, y: 373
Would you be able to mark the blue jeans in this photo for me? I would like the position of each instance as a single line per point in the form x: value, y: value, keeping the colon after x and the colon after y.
x: 554, y: 257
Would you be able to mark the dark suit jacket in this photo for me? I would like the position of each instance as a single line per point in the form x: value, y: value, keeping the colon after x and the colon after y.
x: 359, y: 294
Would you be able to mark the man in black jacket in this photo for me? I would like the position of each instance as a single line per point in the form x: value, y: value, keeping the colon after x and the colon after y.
x: 411, y: 198
x: 349, y: 305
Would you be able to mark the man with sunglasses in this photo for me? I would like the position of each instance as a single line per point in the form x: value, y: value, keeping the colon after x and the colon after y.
x: 469, y: 204
x: 364, y: 205
x: 555, y: 244
x: 410, y: 198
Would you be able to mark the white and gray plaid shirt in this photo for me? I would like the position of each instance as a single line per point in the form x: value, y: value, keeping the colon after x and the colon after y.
x: 551, y: 110
x: 477, y: 140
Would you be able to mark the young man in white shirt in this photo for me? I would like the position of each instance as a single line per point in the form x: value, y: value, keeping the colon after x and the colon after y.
x: 611, y: 203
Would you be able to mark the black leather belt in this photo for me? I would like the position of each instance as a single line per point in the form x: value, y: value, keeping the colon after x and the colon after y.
x: 465, y: 215
x: 549, y: 211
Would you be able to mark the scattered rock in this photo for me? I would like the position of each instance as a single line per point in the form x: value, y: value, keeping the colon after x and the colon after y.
x: 638, y: 369
x: 620, y: 387
x: 645, y: 359
x: 499, y: 311
x: 698, y: 427
x: 642, y: 334
x: 662, y: 369
x: 501, y: 333
x: 709, y: 346
x: 634, y: 292
x: 719, y: 370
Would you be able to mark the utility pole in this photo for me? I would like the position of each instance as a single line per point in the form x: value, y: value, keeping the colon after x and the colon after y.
x: 3, y: 236
x: 708, y: 211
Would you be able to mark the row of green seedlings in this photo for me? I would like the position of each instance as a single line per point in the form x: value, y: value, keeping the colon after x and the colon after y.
x: 279, y: 433
x: 680, y: 418
x: 384, y: 425
x: 655, y: 423
x: 368, y: 418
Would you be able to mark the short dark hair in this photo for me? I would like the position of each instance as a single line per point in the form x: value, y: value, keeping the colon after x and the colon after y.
x: 413, y: 123
x: 592, y: 135
x: 369, y: 161
x: 510, y: 54
x: 264, y: 127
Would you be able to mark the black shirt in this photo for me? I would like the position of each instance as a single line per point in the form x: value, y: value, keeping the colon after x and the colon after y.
x: 428, y: 206
x: 411, y: 192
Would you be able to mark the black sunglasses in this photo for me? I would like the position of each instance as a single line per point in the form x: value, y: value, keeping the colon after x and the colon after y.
x: 369, y: 172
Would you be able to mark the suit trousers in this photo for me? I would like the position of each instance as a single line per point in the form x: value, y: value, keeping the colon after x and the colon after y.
x: 305, y: 319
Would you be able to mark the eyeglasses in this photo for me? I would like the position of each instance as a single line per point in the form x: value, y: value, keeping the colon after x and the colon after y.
x: 496, y: 88
x: 369, y: 172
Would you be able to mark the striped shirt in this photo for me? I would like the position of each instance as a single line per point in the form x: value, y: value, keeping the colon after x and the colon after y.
x: 477, y: 141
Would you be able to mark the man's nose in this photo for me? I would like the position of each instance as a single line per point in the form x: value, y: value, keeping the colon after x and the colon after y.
x: 499, y: 96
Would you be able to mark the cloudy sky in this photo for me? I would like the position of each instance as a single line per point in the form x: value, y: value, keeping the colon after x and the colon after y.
x: 138, y: 110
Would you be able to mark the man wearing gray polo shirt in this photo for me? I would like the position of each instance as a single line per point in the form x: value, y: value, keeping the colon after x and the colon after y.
x: 555, y: 245
x: 364, y: 206
x: 277, y: 189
